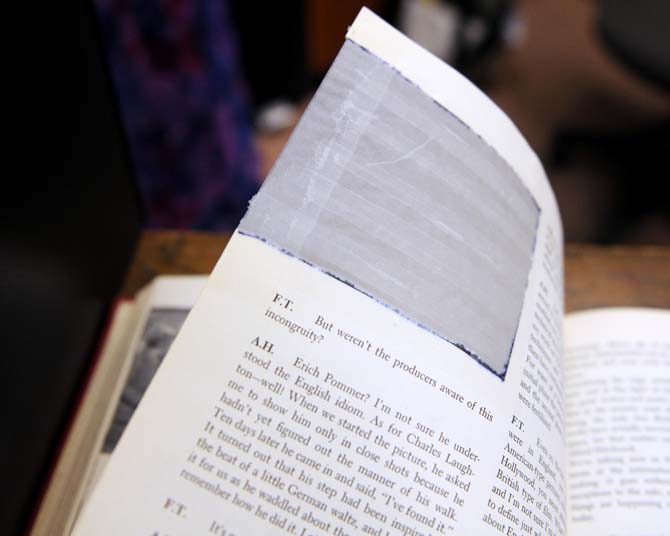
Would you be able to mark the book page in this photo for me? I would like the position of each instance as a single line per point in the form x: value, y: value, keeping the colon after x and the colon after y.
x: 319, y: 386
x: 161, y: 308
x: 617, y: 366
x: 168, y: 301
x: 136, y: 341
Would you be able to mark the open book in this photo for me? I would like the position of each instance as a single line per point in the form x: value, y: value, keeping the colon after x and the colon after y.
x: 136, y: 339
x: 382, y: 349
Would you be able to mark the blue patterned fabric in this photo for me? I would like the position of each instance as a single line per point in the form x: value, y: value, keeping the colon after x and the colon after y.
x: 179, y: 81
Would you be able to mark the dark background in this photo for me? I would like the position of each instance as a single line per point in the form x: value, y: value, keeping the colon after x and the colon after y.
x: 70, y: 218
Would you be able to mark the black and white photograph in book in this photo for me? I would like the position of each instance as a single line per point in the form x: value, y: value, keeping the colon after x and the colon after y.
x: 161, y: 328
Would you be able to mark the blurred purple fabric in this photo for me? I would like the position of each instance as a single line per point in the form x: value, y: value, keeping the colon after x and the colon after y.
x: 176, y: 69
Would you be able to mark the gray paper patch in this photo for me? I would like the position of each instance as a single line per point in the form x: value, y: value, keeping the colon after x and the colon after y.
x: 386, y: 190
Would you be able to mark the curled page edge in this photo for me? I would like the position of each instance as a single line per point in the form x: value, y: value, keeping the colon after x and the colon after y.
x: 458, y: 95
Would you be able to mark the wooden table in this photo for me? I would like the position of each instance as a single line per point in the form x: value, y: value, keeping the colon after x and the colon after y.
x: 595, y: 276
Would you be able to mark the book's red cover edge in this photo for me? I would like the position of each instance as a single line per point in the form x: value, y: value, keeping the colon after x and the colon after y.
x: 80, y: 397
